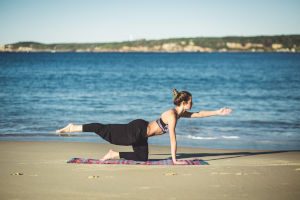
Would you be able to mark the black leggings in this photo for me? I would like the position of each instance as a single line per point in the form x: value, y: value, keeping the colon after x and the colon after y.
x: 134, y: 133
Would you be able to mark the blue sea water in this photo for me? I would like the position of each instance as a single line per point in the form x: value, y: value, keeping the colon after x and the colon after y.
x: 42, y: 92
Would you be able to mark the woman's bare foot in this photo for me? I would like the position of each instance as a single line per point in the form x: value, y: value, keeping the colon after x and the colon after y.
x: 111, y: 155
x: 67, y: 129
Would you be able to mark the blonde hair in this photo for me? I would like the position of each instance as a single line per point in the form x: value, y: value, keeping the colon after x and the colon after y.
x: 182, y: 96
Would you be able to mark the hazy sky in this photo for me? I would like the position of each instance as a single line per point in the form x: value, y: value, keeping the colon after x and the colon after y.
x: 111, y: 20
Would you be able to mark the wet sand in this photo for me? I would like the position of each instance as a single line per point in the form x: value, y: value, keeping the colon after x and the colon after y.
x: 38, y: 170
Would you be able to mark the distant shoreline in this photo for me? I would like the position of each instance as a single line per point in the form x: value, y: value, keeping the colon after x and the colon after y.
x: 149, y: 52
x: 279, y: 43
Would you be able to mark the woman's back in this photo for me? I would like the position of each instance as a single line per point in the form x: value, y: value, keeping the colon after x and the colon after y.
x: 159, y: 126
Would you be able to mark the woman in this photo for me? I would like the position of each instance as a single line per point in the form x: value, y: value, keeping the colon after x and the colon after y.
x: 136, y: 132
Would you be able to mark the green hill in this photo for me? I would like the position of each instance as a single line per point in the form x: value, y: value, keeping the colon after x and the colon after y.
x: 279, y: 43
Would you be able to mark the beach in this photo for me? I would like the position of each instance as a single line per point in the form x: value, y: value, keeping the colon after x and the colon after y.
x: 39, y: 170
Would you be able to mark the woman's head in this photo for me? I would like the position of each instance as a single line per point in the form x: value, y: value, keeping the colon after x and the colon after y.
x: 182, y: 97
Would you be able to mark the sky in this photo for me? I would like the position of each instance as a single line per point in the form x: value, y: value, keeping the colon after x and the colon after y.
x: 61, y: 21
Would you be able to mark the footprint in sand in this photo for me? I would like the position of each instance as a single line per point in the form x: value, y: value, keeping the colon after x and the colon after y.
x: 241, y: 173
x: 93, y: 177
x: 170, y: 174
x: 224, y: 173
x: 17, y: 174
x: 220, y: 173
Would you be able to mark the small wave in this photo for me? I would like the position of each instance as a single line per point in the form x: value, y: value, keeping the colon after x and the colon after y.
x: 212, y: 138
x: 41, y: 135
x: 230, y: 137
x: 201, y: 138
x: 26, y: 135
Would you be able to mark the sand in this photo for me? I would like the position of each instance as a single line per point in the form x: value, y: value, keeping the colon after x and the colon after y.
x: 38, y: 170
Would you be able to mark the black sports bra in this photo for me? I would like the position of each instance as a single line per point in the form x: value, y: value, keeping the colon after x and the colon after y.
x: 162, y: 125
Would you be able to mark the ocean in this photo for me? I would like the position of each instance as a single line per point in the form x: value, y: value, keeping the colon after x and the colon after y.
x: 42, y: 92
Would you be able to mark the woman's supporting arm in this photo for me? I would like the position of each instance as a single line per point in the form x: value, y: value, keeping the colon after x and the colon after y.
x: 172, y: 124
x: 173, y: 146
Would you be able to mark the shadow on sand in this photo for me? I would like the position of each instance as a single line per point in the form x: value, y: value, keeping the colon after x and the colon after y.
x: 227, y: 155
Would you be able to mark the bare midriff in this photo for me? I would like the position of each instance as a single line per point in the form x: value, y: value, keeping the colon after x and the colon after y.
x: 153, y: 129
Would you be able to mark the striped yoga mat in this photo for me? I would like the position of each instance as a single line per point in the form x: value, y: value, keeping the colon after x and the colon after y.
x: 132, y: 162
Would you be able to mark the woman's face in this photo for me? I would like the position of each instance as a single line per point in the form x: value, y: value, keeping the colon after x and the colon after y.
x: 189, y: 104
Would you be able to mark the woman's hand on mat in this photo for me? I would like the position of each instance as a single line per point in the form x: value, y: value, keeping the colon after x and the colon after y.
x: 179, y: 162
x: 224, y: 111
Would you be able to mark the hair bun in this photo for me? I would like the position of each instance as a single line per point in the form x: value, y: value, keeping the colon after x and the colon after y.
x: 179, y: 97
x: 175, y: 93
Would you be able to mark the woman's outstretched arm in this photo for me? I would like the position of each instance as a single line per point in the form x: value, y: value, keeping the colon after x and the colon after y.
x: 203, y: 113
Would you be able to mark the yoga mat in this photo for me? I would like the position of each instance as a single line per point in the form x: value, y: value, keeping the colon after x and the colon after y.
x: 132, y: 162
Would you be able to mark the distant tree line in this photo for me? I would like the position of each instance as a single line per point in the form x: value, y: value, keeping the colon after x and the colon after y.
x: 230, y: 43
